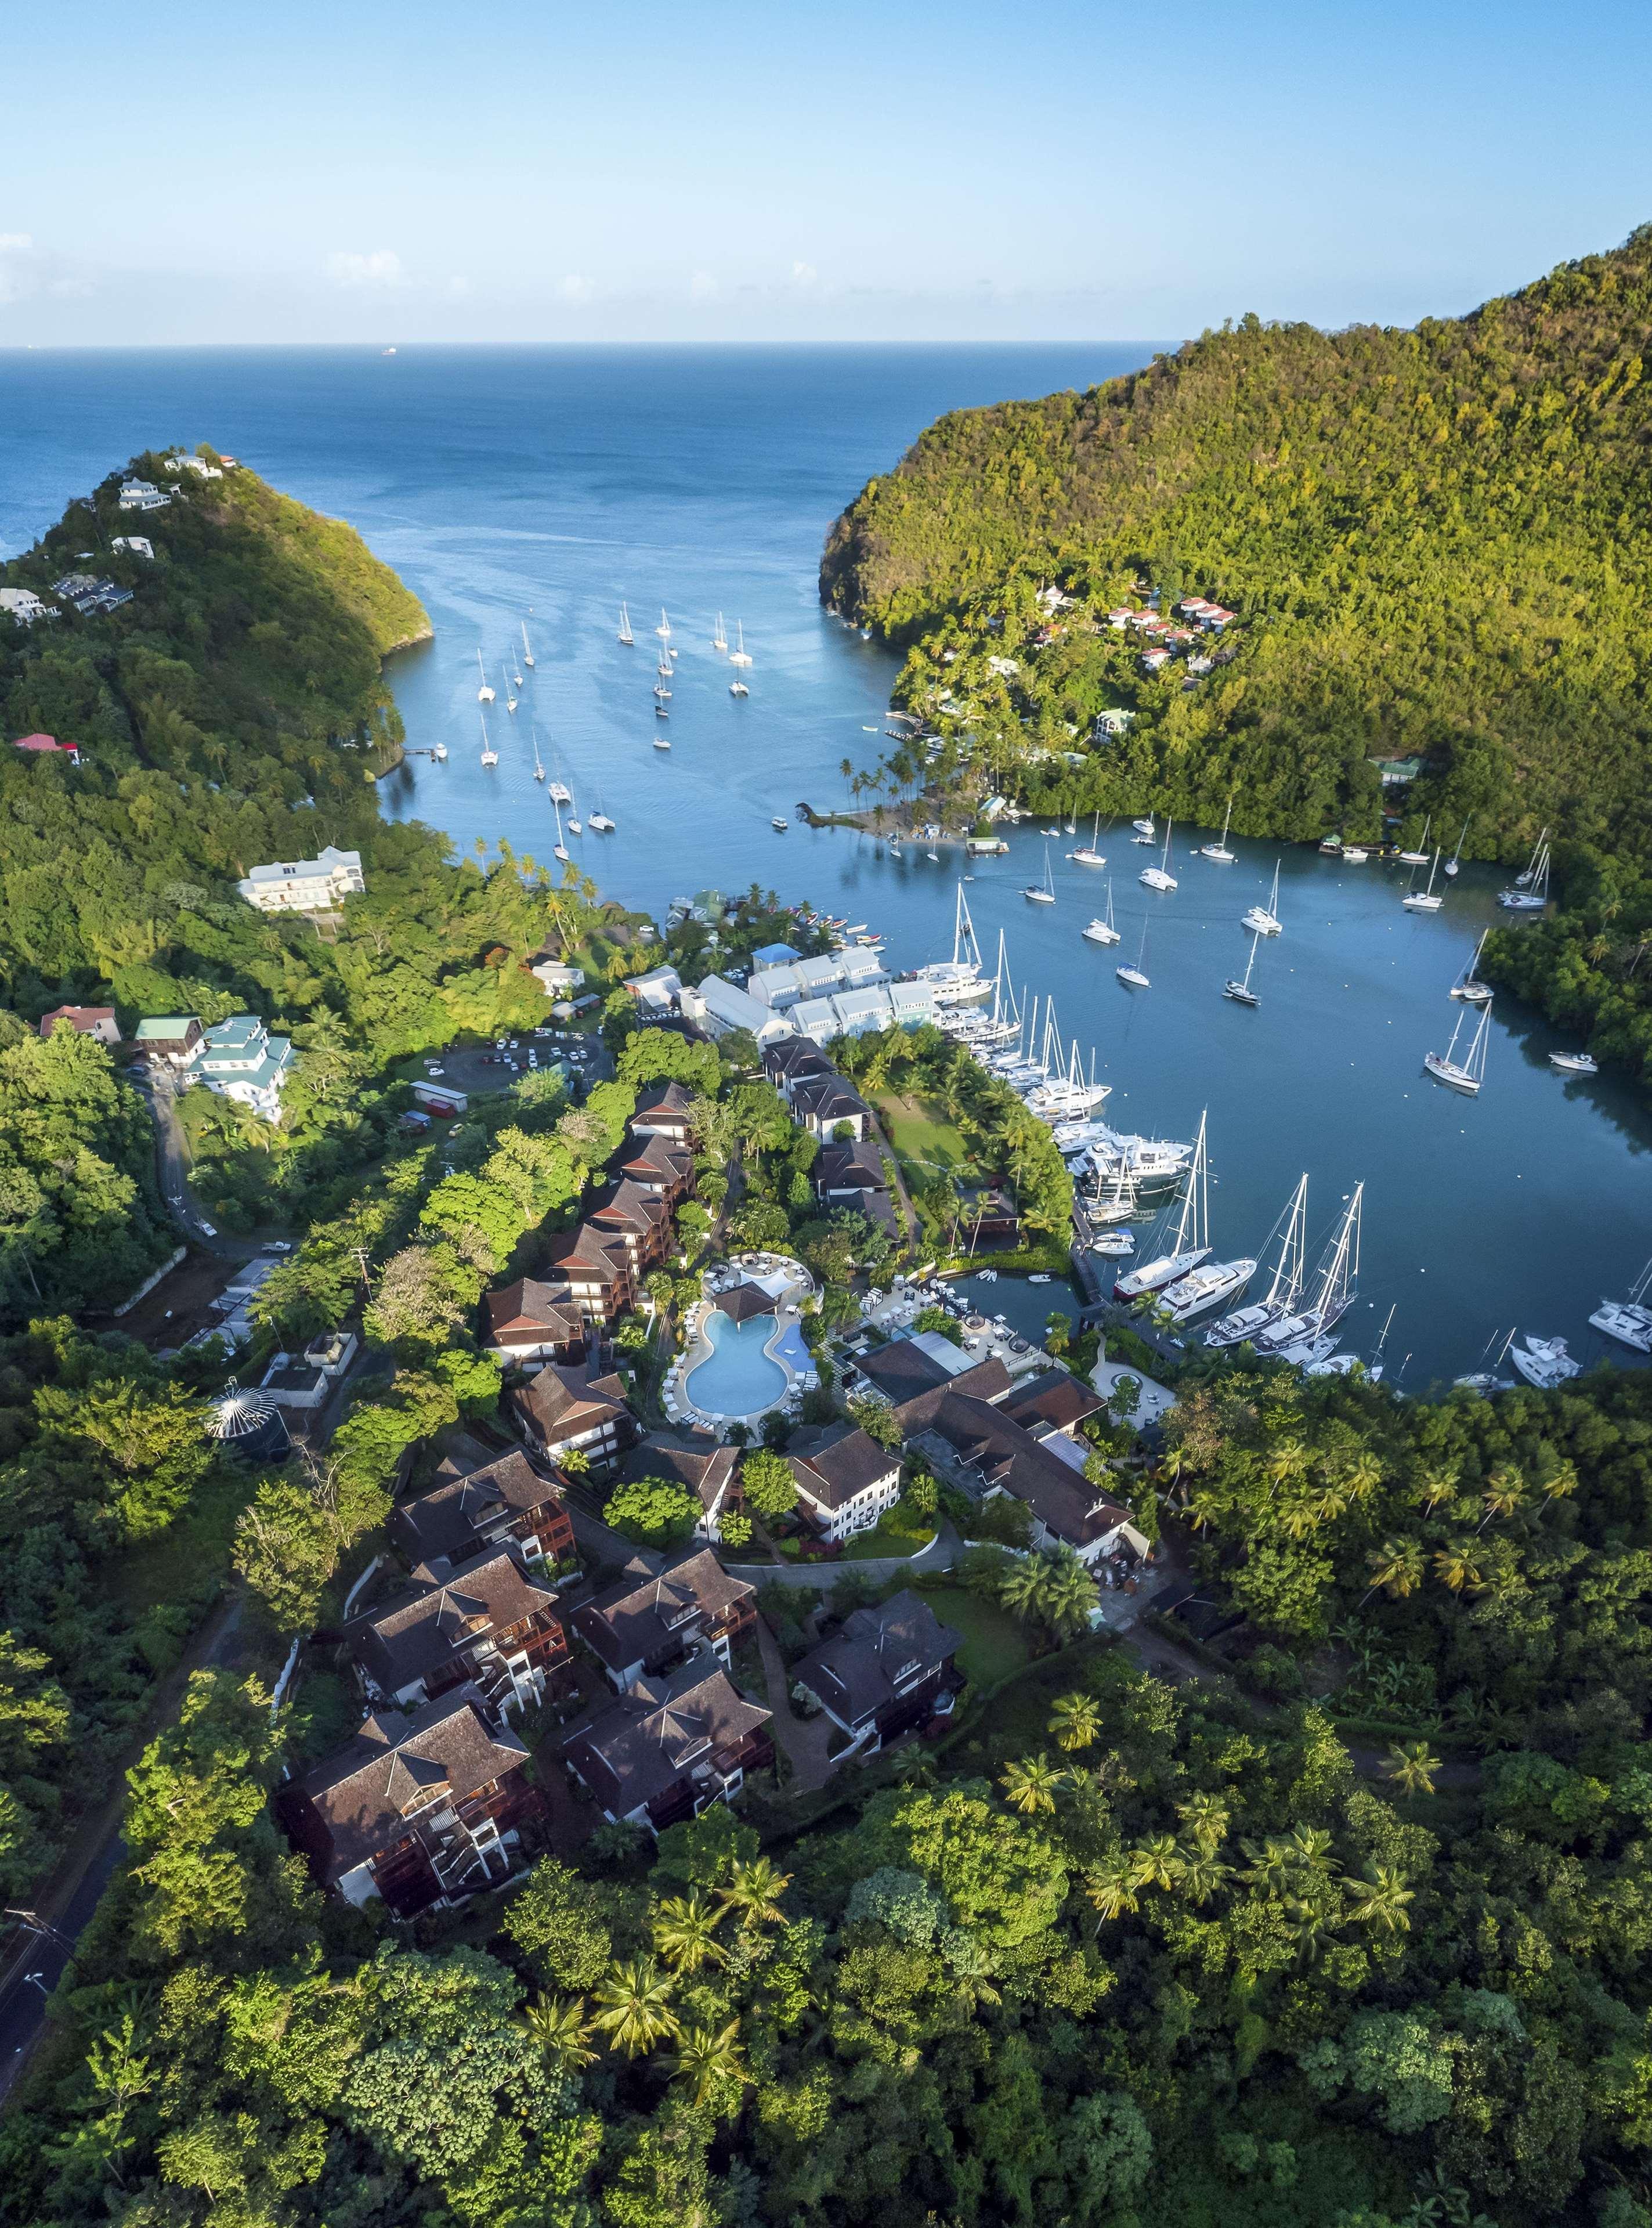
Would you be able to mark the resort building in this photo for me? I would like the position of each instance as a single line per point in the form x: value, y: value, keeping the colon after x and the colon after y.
x: 90, y: 594
x: 826, y: 1104
x: 592, y: 1267
x: 483, y: 1621
x: 671, y: 1747
x: 239, y: 1060
x: 529, y: 1322
x: 977, y: 1447
x: 722, y: 1007
x: 318, y: 885
x: 887, y: 1669
x: 663, y: 1111
x: 644, y: 1628
x: 696, y: 1461
x: 580, y: 1407
x: 846, y: 1482
x: 659, y: 991
x: 503, y: 1503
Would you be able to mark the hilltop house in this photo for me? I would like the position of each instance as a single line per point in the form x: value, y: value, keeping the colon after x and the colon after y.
x: 484, y: 1620
x: 533, y: 1321
x: 886, y: 1670
x: 143, y: 494
x: 647, y: 1626
x: 593, y: 1268
x: 671, y: 1747
x: 502, y: 1503
x: 420, y: 1811
x: 171, y: 1037
x: 239, y: 1060
x: 845, y: 1480
x: 23, y: 605
x: 318, y: 885
x: 91, y: 593
x: 97, y: 1022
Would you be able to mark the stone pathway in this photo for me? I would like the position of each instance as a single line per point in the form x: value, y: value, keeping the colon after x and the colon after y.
x: 805, y: 1740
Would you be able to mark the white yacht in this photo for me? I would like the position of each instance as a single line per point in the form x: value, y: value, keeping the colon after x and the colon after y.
x: 1467, y: 988
x: 1160, y: 877
x: 1264, y: 921
x: 662, y: 742
x: 1354, y: 854
x: 740, y: 655
x: 1452, y: 863
x: 1101, y: 929
x: 1419, y: 857
x: 600, y: 823
x: 1188, y: 1244
x: 1087, y: 855
x: 737, y: 686
x: 664, y: 630
x: 510, y: 700
x: 1629, y: 1321
x: 1042, y: 892
x: 958, y: 980
x: 625, y: 634
x: 720, y: 640
x: 490, y: 756
x: 1468, y: 1073
x: 1575, y: 1063
x: 484, y: 693
x: 1135, y: 977
x: 539, y: 763
x: 559, y: 849
x: 1531, y: 890
x: 1145, y: 828
x: 438, y: 751
x: 528, y: 652
x: 1545, y: 1362
x: 559, y: 793
x: 1425, y: 900
x: 1218, y: 850
x: 1284, y: 1294
x: 1334, y: 1286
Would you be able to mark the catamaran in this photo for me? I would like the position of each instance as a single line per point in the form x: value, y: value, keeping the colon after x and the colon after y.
x: 1264, y: 921
x: 559, y: 850
x: 1531, y: 890
x: 484, y: 693
x: 1467, y: 987
x: 1101, y: 929
x: 1042, y: 892
x: 1283, y: 1294
x: 1425, y: 900
x: 1629, y: 1321
x: 1188, y: 1247
x: 1451, y: 863
x: 625, y: 634
x: 1468, y: 1073
x: 740, y: 655
x: 528, y: 652
x: 1295, y: 1337
x: 720, y: 640
x: 958, y: 980
x: 599, y: 822
x: 1240, y: 990
x: 1087, y: 855
x: 1135, y: 977
x: 1420, y: 856
x: 1160, y: 877
x: 1218, y: 850
x: 490, y: 756
x: 1544, y: 1362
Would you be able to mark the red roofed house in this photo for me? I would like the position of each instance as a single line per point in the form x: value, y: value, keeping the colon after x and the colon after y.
x: 97, y: 1022
x: 47, y: 743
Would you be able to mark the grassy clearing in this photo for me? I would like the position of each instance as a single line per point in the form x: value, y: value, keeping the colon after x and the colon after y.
x: 994, y: 1644
x: 922, y: 1135
x: 883, y: 1540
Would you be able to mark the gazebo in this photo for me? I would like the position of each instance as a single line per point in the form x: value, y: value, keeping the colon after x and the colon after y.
x: 746, y: 1301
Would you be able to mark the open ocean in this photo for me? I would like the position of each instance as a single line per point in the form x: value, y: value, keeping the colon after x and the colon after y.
x: 541, y: 486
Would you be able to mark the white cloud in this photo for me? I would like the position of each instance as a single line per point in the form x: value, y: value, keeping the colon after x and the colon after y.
x: 576, y: 288
x: 702, y: 287
x: 19, y: 262
x: 375, y: 273
x: 803, y: 274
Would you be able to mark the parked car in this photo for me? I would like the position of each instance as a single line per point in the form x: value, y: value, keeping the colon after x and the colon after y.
x: 207, y: 1230
x: 277, y: 1246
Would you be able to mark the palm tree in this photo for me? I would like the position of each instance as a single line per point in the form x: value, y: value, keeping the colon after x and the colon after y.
x: 1204, y: 1819
x: 1562, y: 1484
x: 1156, y: 1862
x: 1379, y: 1899
x: 1396, y: 1566
x: 685, y: 1933
x: 1437, y: 1485
x: 1456, y: 1567
x: 1112, y: 1887
x: 634, y: 2003
x: 1070, y: 1594
x: 1504, y: 1495
x: 559, y: 2025
x: 1289, y: 1460
x: 1031, y: 1784
x: 1412, y: 1768
x: 755, y: 1890
x: 1075, y: 1720
x: 1200, y: 1874
x: 1272, y: 1864
x: 1310, y: 1849
x: 1313, y: 1925
x: 706, y: 2060
x: 1362, y: 1476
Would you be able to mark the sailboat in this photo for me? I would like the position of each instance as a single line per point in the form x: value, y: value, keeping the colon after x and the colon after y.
x: 1190, y: 1246
x: 1374, y: 1368
x: 559, y: 850
x: 599, y: 822
x: 1451, y: 863
x: 625, y: 634
x: 1135, y: 977
x: 1420, y: 856
x: 515, y: 675
x: 539, y: 763
x: 510, y: 701
x: 1119, y: 1204
x: 1240, y: 991
x: 559, y: 793
x: 1087, y: 855
x: 664, y: 630
x: 484, y: 693
x: 662, y: 693
x: 1302, y: 1337
x: 662, y: 742
x: 740, y: 655
x: 1468, y: 1073
x: 1042, y: 892
x: 1531, y: 890
x: 1629, y: 1321
x: 1209, y: 1285
x: 1264, y: 921
x: 958, y: 980
x: 1424, y: 901
x: 528, y: 652
x: 1070, y: 825
x: 574, y: 829
x: 490, y: 756
x: 1101, y: 929
x: 720, y: 640
x: 1218, y: 851
x: 663, y: 669
x: 1467, y: 987
x: 1283, y: 1294
x: 1160, y: 877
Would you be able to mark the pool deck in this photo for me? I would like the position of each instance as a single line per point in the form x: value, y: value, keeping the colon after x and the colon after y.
x: 797, y: 1286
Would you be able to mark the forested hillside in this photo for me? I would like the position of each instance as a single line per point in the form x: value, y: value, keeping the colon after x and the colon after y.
x: 1436, y: 542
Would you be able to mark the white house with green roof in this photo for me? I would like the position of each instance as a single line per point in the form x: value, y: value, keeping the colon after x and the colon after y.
x: 173, y: 1037
x: 241, y: 1060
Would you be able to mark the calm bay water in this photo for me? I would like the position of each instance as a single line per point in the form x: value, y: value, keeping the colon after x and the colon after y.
x: 545, y: 485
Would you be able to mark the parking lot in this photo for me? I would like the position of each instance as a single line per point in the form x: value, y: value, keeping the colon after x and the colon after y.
x: 477, y: 1068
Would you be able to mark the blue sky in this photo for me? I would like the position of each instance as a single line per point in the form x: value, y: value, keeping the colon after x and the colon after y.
x: 363, y: 171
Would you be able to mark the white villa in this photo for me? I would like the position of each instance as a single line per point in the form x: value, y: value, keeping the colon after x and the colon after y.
x: 304, y: 885
x: 241, y: 1059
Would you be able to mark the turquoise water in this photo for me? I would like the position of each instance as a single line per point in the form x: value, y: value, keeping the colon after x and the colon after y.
x: 736, y: 1378
x: 545, y: 485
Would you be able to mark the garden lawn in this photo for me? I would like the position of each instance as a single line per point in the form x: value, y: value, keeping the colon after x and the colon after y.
x: 923, y: 1137
x: 883, y: 1540
x: 994, y: 1644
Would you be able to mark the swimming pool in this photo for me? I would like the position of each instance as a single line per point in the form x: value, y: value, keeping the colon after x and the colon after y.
x: 736, y: 1378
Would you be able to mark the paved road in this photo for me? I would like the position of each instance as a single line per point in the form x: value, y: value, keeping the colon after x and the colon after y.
x: 172, y: 1168
x: 37, y: 1962
x: 940, y: 1555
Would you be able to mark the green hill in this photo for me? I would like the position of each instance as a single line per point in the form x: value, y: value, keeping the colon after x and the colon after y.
x: 1437, y: 543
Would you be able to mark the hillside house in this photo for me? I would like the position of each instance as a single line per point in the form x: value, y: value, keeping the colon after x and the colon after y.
x: 23, y: 605
x: 239, y: 1060
x: 531, y: 1322
x: 663, y: 1111
x: 593, y: 1268
x: 671, y: 1747
x: 143, y: 494
x: 694, y: 1460
x: 646, y: 1627
x: 579, y: 1407
x: 888, y: 1668
x: 174, y: 1038
x: 503, y: 1503
x: 98, y: 1022
x: 317, y: 884
x: 846, y: 1482
x: 483, y: 1621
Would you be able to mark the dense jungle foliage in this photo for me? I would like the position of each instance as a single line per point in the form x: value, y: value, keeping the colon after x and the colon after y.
x: 1436, y: 543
